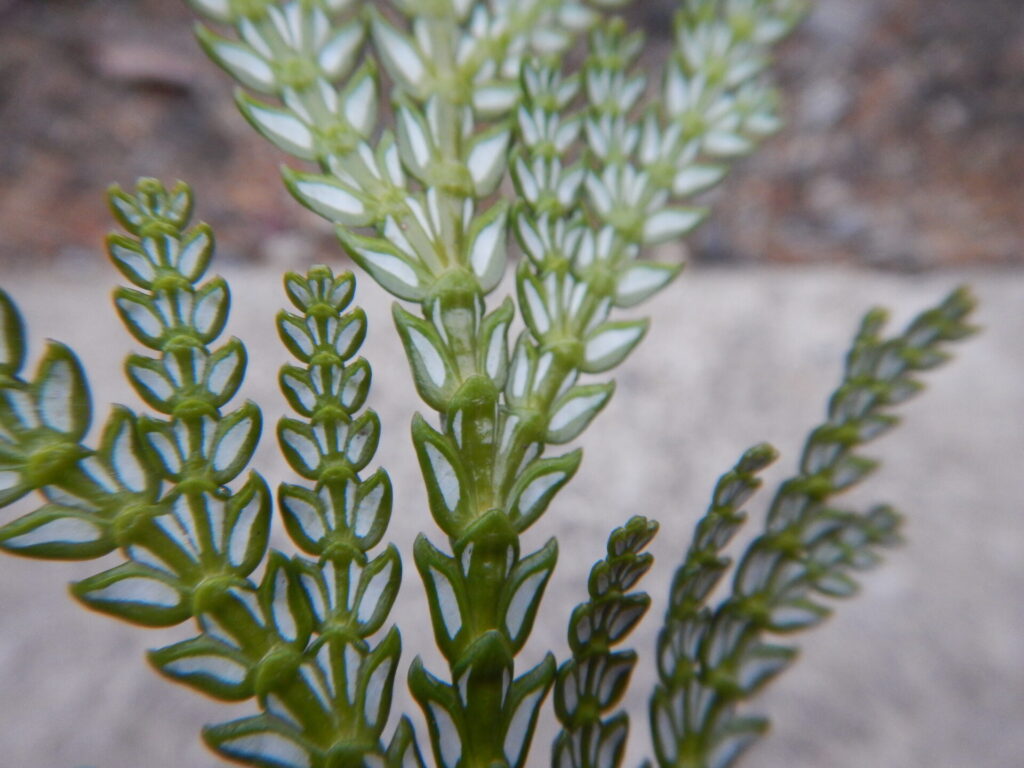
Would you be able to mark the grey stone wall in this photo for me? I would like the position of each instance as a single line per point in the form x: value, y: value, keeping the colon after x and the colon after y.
x: 925, y: 669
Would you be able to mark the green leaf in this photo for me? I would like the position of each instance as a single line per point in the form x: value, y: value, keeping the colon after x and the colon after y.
x: 537, y: 485
x: 404, y: 752
x: 487, y: 246
x: 264, y: 741
x: 207, y: 664
x: 136, y: 593
x: 534, y: 302
x: 448, y: 486
x: 574, y: 410
x: 376, y: 681
x: 12, y: 338
x: 190, y: 255
x: 132, y: 260
x: 355, y: 385
x: 150, y: 380
x: 224, y: 372
x: 297, y: 389
x: 377, y: 590
x: 492, y: 353
x: 399, y: 55
x: 641, y: 280
x: 121, y: 463
x: 730, y: 742
x: 359, y: 100
x: 444, y: 719
x: 694, y: 178
x: 371, y: 512
x: 330, y: 198
x: 239, y: 60
x: 518, y: 387
x: 671, y: 223
x: 284, y: 602
x: 416, y: 144
x: 495, y: 99
x: 304, y: 517
x: 433, y: 371
x: 281, y: 127
x: 339, y: 52
x: 218, y: 10
x: 297, y: 335
x: 61, y: 394
x: 234, y: 442
x: 57, y: 532
x: 362, y: 440
x: 761, y: 664
x: 610, y: 343
x: 446, y: 594
x: 523, y: 705
x: 168, y: 443
x: 395, y: 271
x: 300, y: 447
x: 487, y: 159
x: 523, y: 590
x: 247, y: 525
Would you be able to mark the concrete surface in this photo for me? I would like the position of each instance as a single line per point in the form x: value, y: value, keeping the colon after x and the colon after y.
x: 924, y: 669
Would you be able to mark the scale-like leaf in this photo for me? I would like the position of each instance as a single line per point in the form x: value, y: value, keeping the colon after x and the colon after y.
x: 211, y: 666
x: 264, y: 741
x: 572, y: 412
x: 136, y: 593
x: 56, y: 532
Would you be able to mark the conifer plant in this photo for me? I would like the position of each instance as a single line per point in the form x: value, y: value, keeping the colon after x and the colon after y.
x: 439, y: 137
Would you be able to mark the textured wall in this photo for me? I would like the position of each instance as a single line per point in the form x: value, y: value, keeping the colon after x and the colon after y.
x: 925, y: 668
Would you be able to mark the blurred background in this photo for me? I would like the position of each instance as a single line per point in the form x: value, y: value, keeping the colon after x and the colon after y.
x: 905, y: 121
x: 899, y: 174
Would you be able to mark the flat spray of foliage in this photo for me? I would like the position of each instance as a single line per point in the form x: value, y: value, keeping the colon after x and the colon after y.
x: 495, y: 137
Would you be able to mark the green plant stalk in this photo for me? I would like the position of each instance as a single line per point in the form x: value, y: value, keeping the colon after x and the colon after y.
x: 342, y: 517
x: 159, y: 491
x: 214, y: 589
x: 711, y: 660
x: 594, y: 680
x: 456, y: 300
x: 486, y: 441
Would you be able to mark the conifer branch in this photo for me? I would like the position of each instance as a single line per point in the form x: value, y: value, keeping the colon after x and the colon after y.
x: 163, y: 491
x: 710, y: 661
x: 590, y: 684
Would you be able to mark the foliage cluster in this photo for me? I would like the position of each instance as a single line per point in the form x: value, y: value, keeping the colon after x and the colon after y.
x: 490, y: 136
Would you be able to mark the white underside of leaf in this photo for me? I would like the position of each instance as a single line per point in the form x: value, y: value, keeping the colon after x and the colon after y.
x: 220, y: 667
x: 448, y: 737
x: 55, y: 397
x: 372, y: 593
x: 431, y: 358
x: 65, y: 530
x: 268, y: 746
x: 138, y: 589
x: 536, y: 490
x: 578, y: 407
x: 447, y: 603
x: 445, y: 477
x: 515, y: 736
x: 521, y: 601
